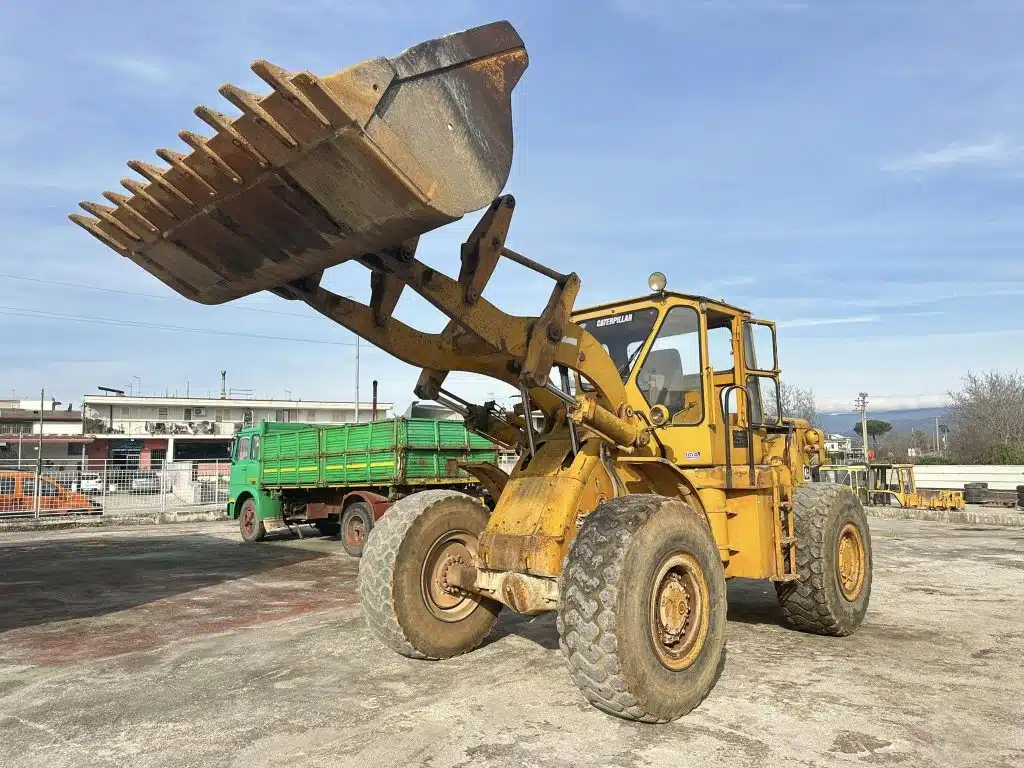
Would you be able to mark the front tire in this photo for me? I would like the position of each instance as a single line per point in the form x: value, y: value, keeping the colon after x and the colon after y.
x: 249, y: 524
x: 402, y: 590
x: 642, y: 608
x: 833, y: 588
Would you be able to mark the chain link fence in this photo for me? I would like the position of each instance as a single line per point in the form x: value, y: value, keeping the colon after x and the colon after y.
x: 110, y: 487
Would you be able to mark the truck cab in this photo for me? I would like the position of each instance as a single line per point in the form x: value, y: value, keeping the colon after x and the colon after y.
x: 245, y: 467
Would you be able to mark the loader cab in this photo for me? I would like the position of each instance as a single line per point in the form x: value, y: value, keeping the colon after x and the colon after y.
x: 690, y: 364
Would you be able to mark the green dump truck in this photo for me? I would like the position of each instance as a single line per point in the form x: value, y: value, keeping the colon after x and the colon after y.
x: 343, y: 478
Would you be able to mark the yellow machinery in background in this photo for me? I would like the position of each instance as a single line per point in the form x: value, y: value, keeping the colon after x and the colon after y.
x: 888, y: 484
x: 660, y: 465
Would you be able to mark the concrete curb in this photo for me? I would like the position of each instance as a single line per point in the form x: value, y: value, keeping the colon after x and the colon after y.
x: 973, y: 516
x: 103, y: 521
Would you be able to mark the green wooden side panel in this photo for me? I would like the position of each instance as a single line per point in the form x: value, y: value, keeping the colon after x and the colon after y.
x: 394, y: 452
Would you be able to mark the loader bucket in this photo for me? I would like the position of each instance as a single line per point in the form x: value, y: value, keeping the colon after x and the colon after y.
x: 322, y: 169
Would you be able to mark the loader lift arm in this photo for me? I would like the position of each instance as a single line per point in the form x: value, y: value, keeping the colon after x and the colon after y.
x: 479, y: 337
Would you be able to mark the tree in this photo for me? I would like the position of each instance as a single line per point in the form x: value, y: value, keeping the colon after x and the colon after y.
x: 986, y: 420
x: 876, y: 428
x: 797, y: 403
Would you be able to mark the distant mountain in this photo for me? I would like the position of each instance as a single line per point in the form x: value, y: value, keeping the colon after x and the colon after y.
x: 906, y: 420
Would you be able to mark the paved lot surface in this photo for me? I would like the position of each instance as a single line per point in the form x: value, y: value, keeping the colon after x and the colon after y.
x: 179, y: 646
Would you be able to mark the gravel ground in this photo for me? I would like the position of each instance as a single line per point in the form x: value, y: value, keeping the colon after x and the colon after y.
x: 180, y: 646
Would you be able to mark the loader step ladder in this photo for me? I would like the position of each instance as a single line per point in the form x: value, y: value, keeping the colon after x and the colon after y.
x: 785, y: 532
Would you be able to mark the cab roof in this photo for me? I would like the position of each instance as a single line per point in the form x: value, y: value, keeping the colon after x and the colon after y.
x: 712, y: 303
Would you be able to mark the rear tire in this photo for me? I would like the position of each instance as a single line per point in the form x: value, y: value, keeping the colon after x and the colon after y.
x: 249, y: 524
x: 833, y: 588
x: 642, y: 608
x: 356, y: 524
x: 401, y: 576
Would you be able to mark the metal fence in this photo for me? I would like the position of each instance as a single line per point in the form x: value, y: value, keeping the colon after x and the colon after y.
x: 110, y: 487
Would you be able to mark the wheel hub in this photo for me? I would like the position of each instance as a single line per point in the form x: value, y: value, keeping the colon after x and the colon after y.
x: 850, y: 561
x: 355, y: 532
x: 248, y: 519
x: 444, y: 599
x: 673, y: 608
x: 680, y: 613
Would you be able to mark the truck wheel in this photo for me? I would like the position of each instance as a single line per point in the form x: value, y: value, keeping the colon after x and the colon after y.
x: 402, y: 588
x: 831, y: 593
x: 356, y: 524
x: 249, y: 524
x: 642, y: 608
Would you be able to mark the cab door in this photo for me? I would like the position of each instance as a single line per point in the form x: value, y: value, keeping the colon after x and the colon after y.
x: 671, y: 374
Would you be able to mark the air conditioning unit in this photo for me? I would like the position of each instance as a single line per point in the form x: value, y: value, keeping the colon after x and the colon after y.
x: 198, y: 411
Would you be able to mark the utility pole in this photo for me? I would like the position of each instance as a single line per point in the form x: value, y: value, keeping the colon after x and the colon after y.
x: 862, y: 406
x: 357, y: 379
x: 936, y: 435
x: 39, y: 458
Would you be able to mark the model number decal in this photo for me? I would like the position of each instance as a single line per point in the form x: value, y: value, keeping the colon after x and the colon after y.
x: 614, y: 320
x: 693, y: 454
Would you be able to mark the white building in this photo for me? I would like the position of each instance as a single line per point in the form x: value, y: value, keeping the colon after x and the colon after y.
x: 838, y: 444
x: 24, y: 432
x: 136, y: 429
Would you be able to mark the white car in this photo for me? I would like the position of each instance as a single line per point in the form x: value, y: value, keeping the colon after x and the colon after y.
x: 92, y: 482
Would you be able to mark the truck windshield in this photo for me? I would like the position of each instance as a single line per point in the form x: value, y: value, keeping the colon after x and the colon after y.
x: 622, y: 335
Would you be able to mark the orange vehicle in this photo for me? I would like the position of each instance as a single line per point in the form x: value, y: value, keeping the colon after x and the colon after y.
x: 17, y: 497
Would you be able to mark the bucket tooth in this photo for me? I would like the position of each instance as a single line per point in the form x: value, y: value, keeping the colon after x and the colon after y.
x: 281, y: 81
x: 201, y: 149
x: 177, y: 161
x: 139, y: 189
x: 222, y: 123
x: 106, y: 214
x: 249, y: 103
x: 329, y: 105
x: 161, y: 189
x: 123, y: 204
x: 91, y: 226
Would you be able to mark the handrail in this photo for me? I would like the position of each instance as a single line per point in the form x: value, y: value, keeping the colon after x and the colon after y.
x: 728, y: 438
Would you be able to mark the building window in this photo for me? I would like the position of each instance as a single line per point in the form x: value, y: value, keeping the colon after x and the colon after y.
x: 75, y: 449
x: 161, y: 413
x: 310, y: 415
x: 125, y: 412
x: 219, y: 416
x: 337, y: 416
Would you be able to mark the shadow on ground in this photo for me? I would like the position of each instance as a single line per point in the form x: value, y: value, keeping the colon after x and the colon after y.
x: 47, y: 581
x: 753, y: 601
x: 750, y: 602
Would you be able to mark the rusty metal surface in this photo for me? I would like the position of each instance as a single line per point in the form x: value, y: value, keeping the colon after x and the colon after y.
x: 323, y: 169
x: 491, y: 476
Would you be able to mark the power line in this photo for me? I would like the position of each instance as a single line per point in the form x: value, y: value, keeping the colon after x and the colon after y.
x: 19, y: 312
x: 143, y: 295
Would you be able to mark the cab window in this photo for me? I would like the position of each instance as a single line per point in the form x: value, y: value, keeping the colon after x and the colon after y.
x: 46, y: 488
x: 242, y: 448
x: 670, y: 374
x: 622, y: 336
x: 254, y: 451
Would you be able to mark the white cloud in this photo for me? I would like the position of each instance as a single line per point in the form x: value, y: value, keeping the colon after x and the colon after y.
x: 812, y: 322
x: 656, y: 8
x: 884, y: 403
x: 997, y: 153
x: 150, y: 69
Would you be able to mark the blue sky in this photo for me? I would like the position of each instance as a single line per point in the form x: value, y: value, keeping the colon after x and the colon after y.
x: 852, y: 170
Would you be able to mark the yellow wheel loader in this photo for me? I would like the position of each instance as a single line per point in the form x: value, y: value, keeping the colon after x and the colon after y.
x: 654, y: 462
